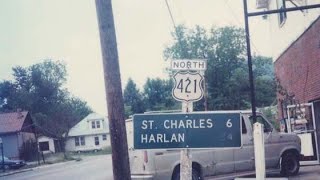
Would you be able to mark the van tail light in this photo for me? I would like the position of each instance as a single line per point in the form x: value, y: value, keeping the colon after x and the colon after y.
x: 145, y: 156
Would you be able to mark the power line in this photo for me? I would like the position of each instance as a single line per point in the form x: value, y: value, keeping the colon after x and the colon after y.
x: 175, y: 29
x: 171, y: 16
x: 233, y: 13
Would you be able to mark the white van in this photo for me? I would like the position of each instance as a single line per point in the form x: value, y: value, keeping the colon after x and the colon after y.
x: 282, y: 152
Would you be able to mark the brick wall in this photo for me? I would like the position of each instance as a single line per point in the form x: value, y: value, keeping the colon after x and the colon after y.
x: 298, y: 68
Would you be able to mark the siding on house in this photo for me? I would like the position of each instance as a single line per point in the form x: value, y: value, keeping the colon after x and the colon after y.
x: 89, y: 143
x: 94, y: 125
x: 10, y: 145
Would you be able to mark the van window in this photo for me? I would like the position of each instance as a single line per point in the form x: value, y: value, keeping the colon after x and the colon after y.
x: 244, y: 128
x: 266, y: 126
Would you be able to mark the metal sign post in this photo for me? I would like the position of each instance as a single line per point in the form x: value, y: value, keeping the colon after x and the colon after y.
x: 183, y: 92
x: 2, y: 155
x: 185, y: 159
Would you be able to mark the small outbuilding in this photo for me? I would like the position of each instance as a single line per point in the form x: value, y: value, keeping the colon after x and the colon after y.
x: 47, y: 144
x: 17, y: 134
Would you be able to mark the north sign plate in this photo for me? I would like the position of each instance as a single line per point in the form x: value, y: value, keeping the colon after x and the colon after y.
x: 191, y: 130
x: 189, y: 64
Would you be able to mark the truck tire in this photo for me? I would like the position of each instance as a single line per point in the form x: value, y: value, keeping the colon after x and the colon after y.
x: 195, y: 175
x: 290, y: 164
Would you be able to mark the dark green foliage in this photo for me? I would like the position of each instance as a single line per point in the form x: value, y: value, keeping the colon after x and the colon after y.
x: 227, y: 73
x: 157, y: 94
x: 39, y: 90
x: 227, y: 79
x: 133, y: 99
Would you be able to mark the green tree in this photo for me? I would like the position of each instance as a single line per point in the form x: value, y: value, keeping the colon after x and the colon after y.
x: 157, y: 95
x: 226, y: 75
x: 39, y: 90
x: 133, y: 99
x: 265, y: 82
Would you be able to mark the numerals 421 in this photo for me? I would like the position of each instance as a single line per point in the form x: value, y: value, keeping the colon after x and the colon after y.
x: 187, y: 85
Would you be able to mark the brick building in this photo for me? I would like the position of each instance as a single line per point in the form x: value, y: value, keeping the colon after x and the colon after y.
x: 295, y: 38
x: 298, y: 71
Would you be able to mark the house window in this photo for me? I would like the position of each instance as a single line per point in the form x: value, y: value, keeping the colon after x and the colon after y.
x: 283, y: 15
x: 96, y: 124
x: 80, y: 141
x: 44, y: 146
x: 96, y: 141
x: 104, y: 137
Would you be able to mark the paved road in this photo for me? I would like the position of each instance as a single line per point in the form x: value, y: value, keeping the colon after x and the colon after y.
x: 90, y: 168
x: 100, y: 168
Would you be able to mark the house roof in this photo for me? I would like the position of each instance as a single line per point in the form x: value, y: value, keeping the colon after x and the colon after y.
x: 84, y: 126
x: 12, y: 122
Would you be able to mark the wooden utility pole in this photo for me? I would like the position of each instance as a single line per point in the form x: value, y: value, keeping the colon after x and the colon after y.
x: 120, y: 158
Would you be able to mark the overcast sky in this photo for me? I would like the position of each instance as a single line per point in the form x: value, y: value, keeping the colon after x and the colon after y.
x: 67, y: 30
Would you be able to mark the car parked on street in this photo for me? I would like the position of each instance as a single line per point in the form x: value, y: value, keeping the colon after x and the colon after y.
x: 11, y: 164
x: 282, y: 152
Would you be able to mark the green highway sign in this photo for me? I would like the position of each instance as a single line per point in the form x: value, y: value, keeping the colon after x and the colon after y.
x: 187, y: 130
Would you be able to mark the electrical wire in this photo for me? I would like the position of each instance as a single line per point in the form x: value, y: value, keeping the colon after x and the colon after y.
x: 171, y: 16
x: 175, y: 28
x: 233, y: 13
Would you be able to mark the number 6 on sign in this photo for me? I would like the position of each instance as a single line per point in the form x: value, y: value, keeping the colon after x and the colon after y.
x: 229, y: 123
x: 187, y: 86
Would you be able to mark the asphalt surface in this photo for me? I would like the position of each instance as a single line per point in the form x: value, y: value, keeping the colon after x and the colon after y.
x: 100, y: 168
x: 90, y: 168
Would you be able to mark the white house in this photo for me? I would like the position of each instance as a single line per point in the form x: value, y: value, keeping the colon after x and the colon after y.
x: 91, y: 133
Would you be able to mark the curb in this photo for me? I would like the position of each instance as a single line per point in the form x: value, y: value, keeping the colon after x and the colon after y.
x: 15, y: 172
x: 34, y: 168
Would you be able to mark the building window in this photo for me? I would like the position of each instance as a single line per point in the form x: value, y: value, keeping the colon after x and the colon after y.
x: 96, y: 124
x: 283, y: 15
x: 104, y: 137
x: 82, y: 141
x: 44, y: 146
x: 96, y: 141
x: 79, y: 141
